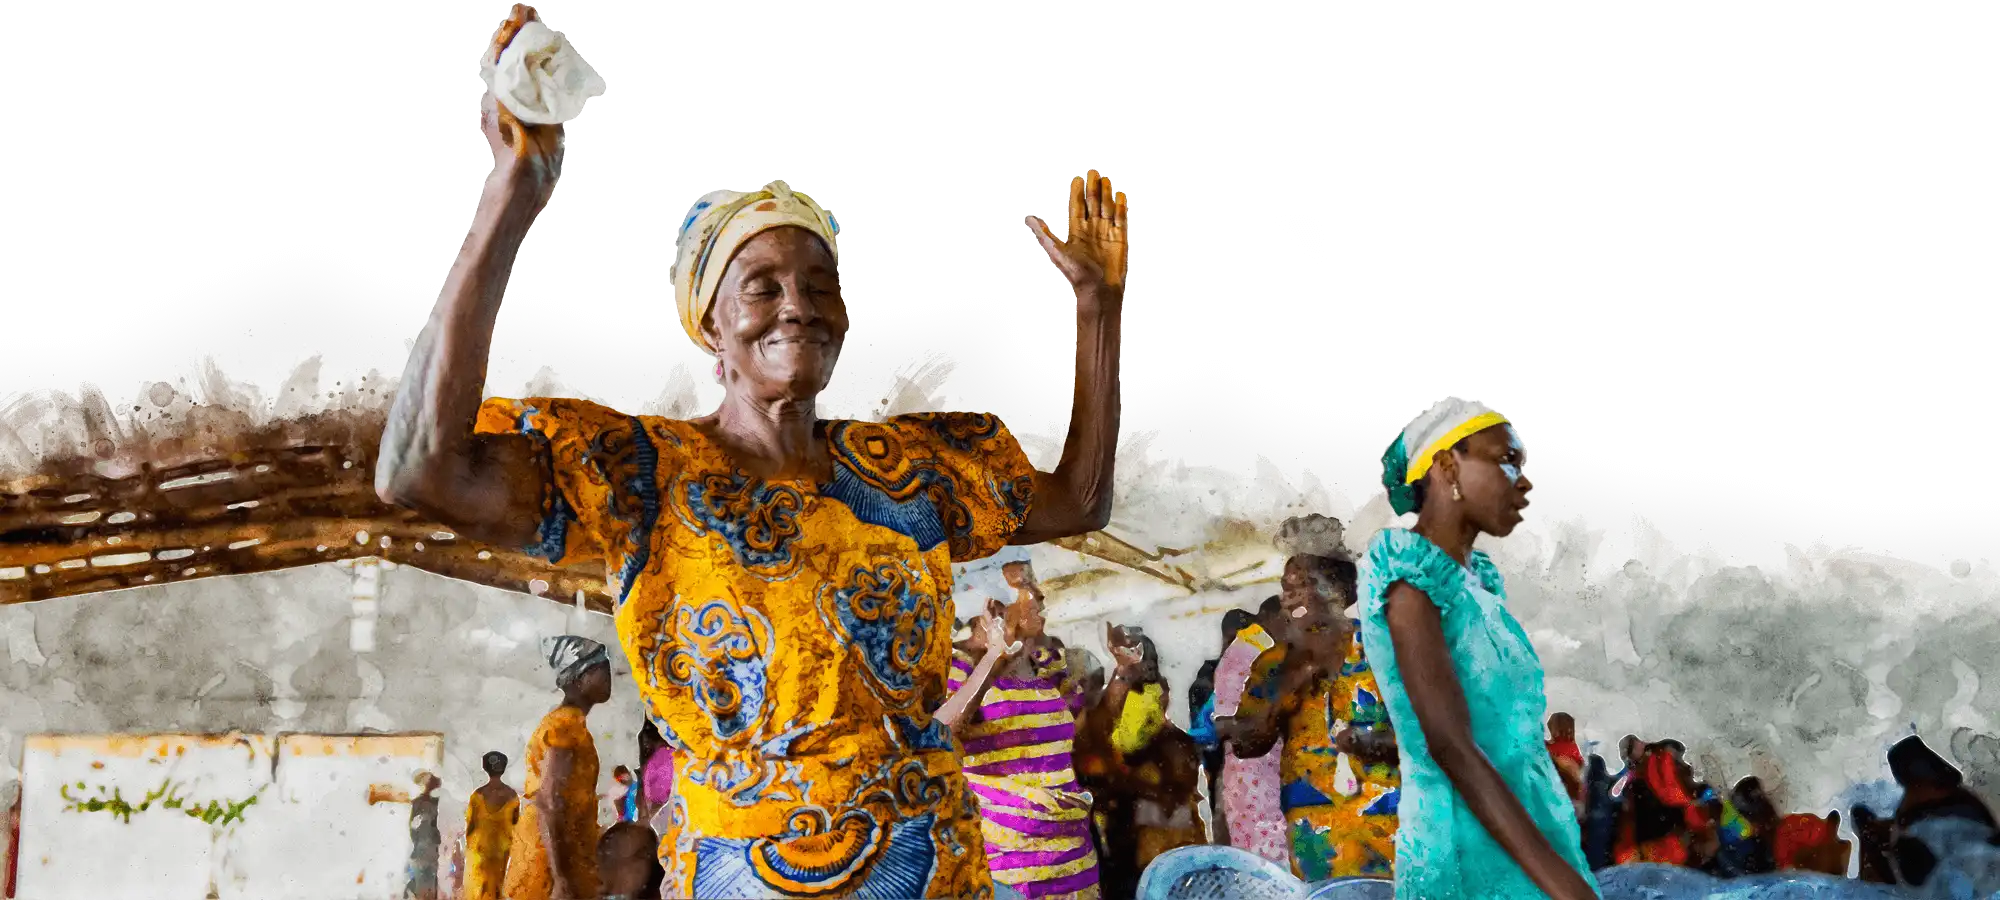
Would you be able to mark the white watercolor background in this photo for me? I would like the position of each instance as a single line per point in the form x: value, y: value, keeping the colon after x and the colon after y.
x: 1775, y: 631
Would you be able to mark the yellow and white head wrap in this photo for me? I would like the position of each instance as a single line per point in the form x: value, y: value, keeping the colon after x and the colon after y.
x: 1441, y: 427
x: 718, y: 225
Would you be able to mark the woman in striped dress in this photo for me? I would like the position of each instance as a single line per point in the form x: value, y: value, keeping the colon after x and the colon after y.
x: 1018, y: 732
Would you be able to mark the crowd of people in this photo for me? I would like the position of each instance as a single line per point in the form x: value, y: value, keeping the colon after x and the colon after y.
x: 1082, y: 779
x: 783, y: 586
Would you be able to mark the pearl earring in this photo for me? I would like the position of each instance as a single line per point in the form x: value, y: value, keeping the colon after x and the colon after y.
x: 1455, y: 495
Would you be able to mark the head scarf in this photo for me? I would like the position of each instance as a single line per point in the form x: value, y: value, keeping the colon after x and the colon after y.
x: 1441, y: 427
x: 718, y: 225
x: 571, y: 656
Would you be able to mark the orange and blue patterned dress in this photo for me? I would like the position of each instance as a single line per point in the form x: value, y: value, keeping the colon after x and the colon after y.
x: 791, y: 639
x: 1337, y: 829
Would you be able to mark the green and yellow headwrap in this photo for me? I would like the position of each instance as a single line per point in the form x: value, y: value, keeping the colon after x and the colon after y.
x: 1441, y: 427
x: 718, y: 225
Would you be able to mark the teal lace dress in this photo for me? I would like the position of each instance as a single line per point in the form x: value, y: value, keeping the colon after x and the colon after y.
x: 1441, y: 849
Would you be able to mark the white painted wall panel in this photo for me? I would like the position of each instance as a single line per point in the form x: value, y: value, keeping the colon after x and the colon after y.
x: 311, y: 834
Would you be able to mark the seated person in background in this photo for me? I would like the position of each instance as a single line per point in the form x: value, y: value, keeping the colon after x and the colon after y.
x: 1937, y: 818
x: 1809, y: 843
x: 1747, y: 824
x: 1666, y: 820
x: 1568, y: 757
x: 628, y: 864
x: 1600, y: 814
x: 1631, y: 752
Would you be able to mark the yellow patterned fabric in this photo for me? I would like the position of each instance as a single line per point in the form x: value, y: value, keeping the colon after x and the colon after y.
x: 1145, y: 713
x: 791, y: 639
x: 528, y: 876
x: 489, y: 833
x: 1339, y: 826
x: 718, y: 225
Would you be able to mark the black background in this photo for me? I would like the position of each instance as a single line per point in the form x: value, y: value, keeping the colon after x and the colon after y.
x: 1721, y: 251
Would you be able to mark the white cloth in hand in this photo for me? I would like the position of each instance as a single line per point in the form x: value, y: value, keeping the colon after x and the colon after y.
x: 540, y: 78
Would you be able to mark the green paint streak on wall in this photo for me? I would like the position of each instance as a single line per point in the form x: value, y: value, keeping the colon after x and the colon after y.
x: 218, y: 813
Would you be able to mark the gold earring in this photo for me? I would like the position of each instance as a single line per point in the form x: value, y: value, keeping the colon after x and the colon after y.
x: 1455, y: 495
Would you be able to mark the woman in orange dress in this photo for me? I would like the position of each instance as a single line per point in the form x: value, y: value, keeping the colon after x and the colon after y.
x: 1316, y: 692
x: 554, y: 852
x: 490, y: 816
x: 782, y: 581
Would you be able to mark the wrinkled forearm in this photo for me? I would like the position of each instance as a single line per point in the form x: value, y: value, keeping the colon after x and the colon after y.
x: 1088, y: 468
x: 429, y: 433
x: 1076, y: 498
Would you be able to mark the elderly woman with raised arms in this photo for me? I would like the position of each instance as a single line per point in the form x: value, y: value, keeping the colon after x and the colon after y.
x: 782, y: 582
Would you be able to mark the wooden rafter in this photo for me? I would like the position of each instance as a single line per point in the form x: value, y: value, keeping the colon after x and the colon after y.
x: 289, y: 494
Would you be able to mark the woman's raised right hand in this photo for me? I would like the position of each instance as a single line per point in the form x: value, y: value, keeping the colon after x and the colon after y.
x: 524, y: 156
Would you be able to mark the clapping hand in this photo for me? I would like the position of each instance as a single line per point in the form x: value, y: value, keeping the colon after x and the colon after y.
x: 996, y: 638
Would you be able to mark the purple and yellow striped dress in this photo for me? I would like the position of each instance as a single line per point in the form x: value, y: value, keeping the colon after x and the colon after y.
x: 1036, y: 818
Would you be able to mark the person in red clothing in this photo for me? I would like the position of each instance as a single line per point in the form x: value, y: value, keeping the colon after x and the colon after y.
x: 1811, y: 843
x: 1664, y: 823
x: 1568, y: 756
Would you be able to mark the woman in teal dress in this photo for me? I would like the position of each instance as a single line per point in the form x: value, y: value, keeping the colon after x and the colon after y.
x: 1483, y: 811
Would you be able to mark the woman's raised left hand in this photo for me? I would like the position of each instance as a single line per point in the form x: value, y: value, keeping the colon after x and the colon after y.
x: 996, y: 638
x: 1093, y: 258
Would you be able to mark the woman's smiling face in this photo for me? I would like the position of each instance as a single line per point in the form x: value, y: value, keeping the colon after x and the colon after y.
x: 778, y: 322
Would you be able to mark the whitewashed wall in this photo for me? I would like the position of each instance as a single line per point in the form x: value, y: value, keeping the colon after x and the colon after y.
x: 326, y: 818
x: 273, y: 654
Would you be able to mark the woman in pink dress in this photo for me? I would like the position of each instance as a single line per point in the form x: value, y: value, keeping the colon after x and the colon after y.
x: 1250, y: 786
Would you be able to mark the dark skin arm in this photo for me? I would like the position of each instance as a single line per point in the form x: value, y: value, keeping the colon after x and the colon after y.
x: 1253, y: 734
x: 1076, y: 498
x: 548, y: 811
x: 1439, y: 703
x: 487, y: 487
